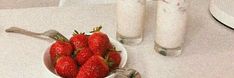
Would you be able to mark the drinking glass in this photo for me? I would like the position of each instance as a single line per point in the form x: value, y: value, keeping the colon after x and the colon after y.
x: 170, y: 27
x: 130, y: 21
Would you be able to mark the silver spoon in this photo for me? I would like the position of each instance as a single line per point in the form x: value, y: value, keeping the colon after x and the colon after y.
x: 126, y: 73
x: 50, y: 33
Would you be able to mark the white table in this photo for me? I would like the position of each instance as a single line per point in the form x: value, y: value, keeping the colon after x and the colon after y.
x: 10, y: 4
x: 208, y: 51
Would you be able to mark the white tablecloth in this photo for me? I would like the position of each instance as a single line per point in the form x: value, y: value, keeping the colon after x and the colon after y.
x: 208, y: 51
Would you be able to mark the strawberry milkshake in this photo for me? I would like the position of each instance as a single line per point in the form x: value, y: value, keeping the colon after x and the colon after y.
x: 130, y: 21
x: 171, y: 27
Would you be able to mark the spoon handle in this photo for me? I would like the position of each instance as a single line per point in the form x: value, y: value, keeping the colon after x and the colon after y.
x: 126, y: 73
x: 21, y: 31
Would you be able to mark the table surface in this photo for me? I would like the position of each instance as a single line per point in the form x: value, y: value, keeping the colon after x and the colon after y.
x: 208, y: 50
x: 13, y: 4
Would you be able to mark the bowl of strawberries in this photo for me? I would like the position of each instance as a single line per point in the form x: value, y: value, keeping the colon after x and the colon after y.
x: 84, y: 55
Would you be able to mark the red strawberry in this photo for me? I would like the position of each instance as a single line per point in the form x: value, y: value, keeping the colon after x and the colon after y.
x: 113, y: 59
x: 79, y: 40
x: 66, y: 67
x: 98, y: 42
x: 95, y: 67
x: 110, y: 46
x: 83, y: 55
x: 60, y: 48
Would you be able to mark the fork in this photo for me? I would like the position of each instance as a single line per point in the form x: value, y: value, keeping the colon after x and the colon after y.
x: 50, y: 33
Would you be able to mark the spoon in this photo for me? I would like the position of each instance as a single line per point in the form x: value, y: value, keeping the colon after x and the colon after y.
x: 126, y: 73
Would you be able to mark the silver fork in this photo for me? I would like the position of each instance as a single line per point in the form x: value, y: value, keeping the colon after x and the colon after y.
x: 50, y: 33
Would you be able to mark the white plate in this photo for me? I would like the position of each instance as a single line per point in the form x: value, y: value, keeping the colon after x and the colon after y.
x: 223, y: 11
x: 50, y: 69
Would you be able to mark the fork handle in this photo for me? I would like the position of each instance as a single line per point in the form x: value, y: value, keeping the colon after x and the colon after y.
x: 22, y: 31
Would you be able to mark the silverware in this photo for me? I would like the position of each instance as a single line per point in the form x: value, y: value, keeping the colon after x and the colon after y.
x: 126, y: 73
x: 50, y: 33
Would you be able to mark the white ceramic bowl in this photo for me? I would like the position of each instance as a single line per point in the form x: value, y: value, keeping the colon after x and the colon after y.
x: 50, y: 69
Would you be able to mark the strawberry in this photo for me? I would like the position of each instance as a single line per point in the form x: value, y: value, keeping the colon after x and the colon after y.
x: 98, y: 42
x: 95, y: 67
x: 79, y: 40
x: 113, y: 59
x: 83, y: 55
x: 60, y: 48
x: 110, y: 46
x: 66, y: 67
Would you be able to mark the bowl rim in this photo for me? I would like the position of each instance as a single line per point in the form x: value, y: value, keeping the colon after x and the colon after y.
x: 113, y: 41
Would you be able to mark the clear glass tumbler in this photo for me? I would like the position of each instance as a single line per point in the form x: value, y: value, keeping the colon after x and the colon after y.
x: 130, y: 21
x: 171, y: 27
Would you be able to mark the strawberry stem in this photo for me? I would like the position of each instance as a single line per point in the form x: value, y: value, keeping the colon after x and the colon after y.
x: 107, y: 61
x: 76, y: 32
x: 60, y: 37
x: 76, y: 52
x: 96, y: 29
